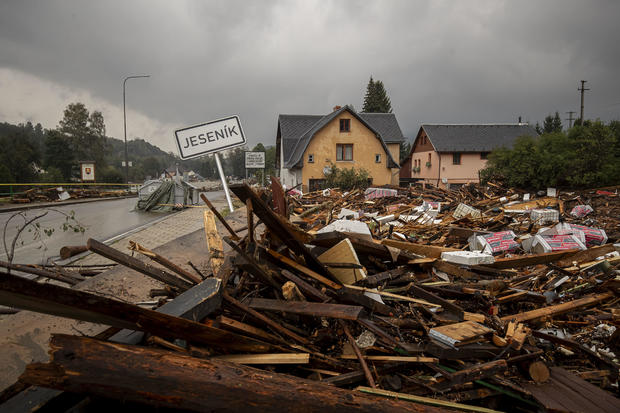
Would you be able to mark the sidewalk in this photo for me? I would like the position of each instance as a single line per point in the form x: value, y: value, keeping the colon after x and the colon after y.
x: 34, y: 205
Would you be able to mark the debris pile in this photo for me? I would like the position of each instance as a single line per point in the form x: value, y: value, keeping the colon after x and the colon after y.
x: 51, y: 194
x: 474, y: 300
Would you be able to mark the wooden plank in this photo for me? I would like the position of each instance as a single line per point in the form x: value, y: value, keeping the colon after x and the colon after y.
x: 458, y: 333
x: 343, y: 253
x: 245, y: 329
x: 394, y: 296
x: 281, y: 229
x: 304, y: 286
x: 193, y: 278
x: 341, y: 311
x: 476, y: 372
x: 558, y: 308
x: 277, y: 193
x: 586, y: 255
x: 433, y: 298
x: 137, y: 265
x: 79, y: 305
x: 266, y: 358
x: 304, y: 270
x: 362, y: 246
x: 264, y: 319
x: 232, y: 232
x: 164, y: 379
x: 430, y: 251
x: 214, y: 242
x: 40, y: 272
x: 454, y: 270
x: 527, y: 260
x: 425, y: 400
x: 197, y: 302
x: 250, y: 218
x: 400, y: 359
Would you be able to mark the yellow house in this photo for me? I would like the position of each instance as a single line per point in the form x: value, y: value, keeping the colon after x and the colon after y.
x: 307, y: 145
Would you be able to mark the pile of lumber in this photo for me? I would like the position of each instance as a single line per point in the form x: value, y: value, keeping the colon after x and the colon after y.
x: 292, y: 318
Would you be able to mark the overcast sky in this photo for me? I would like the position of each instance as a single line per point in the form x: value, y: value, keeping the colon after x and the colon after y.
x: 441, y: 61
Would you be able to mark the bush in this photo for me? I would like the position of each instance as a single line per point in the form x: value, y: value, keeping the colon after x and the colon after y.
x: 585, y: 156
x: 110, y: 174
x: 52, y: 175
x: 347, y: 179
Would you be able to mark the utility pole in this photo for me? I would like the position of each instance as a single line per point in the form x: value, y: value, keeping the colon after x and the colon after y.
x: 570, y: 118
x: 583, y: 89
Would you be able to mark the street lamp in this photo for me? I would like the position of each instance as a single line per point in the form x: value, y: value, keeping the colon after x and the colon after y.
x: 125, y: 124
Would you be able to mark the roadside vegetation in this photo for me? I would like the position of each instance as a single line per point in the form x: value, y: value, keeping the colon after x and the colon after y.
x: 585, y: 155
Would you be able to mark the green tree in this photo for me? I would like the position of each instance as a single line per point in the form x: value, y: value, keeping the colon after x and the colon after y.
x: 21, y: 156
x: 86, y: 133
x: 58, y: 153
x: 376, y: 99
x: 552, y: 124
x: 405, y: 148
x: 151, y: 166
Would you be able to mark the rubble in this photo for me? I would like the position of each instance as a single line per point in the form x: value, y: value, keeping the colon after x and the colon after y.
x: 338, y: 298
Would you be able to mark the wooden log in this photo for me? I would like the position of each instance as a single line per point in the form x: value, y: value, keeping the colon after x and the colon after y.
x: 538, y: 371
x: 363, y: 247
x: 134, y: 246
x: 71, y: 250
x: 340, y: 311
x: 254, y: 267
x: 137, y: 265
x: 558, y: 308
x: 79, y: 305
x: 376, y: 279
x: 358, y: 354
x: 164, y: 379
x: 232, y: 232
x: 40, y: 272
x: 305, y: 287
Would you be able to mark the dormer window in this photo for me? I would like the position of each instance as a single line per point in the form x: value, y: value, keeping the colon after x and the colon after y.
x: 345, y: 125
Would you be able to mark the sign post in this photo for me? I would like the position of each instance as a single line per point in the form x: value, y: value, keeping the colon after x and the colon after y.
x: 255, y: 160
x: 211, y: 137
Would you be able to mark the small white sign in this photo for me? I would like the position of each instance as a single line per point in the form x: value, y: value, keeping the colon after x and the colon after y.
x: 214, y: 136
x: 88, y: 171
x: 255, y: 160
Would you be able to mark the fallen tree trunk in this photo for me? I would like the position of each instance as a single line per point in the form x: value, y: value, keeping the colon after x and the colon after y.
x: 164, y: 379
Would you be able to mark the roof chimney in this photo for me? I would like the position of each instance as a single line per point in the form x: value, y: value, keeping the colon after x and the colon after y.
x: 519, y: 120
x: 337, y: 107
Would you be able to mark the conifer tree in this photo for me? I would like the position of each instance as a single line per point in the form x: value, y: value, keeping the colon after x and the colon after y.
x: 376, y: 99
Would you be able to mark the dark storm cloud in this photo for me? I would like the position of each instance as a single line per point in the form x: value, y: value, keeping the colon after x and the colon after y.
x: 441, y: 61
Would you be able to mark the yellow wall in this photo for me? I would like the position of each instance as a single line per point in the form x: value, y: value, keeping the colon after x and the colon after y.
x: 365, y: 146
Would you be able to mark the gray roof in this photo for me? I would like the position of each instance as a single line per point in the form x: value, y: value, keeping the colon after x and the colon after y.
x: 475, y: 138
x: 296, y: 131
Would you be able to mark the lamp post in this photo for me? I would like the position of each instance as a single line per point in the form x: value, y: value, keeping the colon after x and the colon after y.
x: 125, y: 124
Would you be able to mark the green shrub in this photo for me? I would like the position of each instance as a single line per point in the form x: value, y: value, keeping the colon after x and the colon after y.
x: 585, y: 156
x: 347, y: 179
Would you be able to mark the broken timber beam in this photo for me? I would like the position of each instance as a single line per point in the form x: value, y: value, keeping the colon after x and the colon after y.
x: 278, y: 227
x: 558, y: 308
x: 79, y: 305
x: 232, y: 232
x: 214, y: 242
x: 164, y: 379
x: 430, y: 251
x: 134, y: 246
x: 527, y: 260
x: 341, y: 311
x: 137, y: 265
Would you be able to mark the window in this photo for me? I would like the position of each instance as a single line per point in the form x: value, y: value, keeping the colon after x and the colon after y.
x: 456, y: 158
x: 345, y: 125
x: 310, y: 158
x: 377, y: 158
x: 316, y: 184
x: 484, y: 155
x: 428, y: 163
x: 344, y: 152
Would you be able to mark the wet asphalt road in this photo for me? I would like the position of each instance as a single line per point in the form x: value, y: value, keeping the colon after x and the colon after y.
x: 102, y: 220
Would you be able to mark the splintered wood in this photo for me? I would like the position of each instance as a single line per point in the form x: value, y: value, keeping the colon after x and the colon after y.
x: 435, y: 299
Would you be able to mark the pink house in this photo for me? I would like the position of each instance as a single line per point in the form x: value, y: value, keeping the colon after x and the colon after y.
x: 451, y: 155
